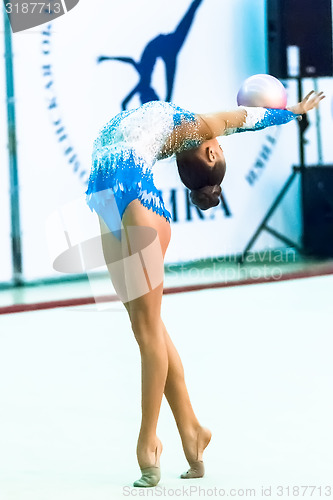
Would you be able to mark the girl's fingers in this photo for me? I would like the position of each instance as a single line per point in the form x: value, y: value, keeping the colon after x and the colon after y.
x: 316, y: 98
x: 311, y: 100
x: 317, y: 94
x: 320, y: 97
x: 308, y: 95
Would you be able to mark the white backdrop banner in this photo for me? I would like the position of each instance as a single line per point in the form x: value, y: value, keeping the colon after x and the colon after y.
x: 74, y: 74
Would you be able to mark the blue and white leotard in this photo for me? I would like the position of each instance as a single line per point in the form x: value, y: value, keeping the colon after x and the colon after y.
x: 123, y: 155
x: 129, y: 145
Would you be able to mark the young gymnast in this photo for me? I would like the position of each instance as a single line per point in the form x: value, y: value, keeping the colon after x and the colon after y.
x: 122, y: 192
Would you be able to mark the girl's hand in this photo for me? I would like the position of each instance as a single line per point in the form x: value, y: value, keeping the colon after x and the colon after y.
x: 309, y: 102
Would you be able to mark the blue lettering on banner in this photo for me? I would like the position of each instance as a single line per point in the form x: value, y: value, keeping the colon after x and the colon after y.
x: 263, y: 158
x: 59, y: 128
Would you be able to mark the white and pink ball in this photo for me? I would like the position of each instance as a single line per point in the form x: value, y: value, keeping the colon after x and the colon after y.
x: 264, y: 91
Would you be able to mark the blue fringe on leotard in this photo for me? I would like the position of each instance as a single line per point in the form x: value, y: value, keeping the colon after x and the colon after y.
x: 129, y: 177
x: 123, y: 155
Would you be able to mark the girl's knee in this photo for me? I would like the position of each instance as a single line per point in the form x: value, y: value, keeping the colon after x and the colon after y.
x: 145, y: 327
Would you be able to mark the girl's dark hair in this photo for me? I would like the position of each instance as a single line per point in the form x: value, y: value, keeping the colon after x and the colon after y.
x: 202, y: 179
x: 206, y: 197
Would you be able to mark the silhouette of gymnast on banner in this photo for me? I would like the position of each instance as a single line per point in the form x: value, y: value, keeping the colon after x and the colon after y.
x: 167, y: 47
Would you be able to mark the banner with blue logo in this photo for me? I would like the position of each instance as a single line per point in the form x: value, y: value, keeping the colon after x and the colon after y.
x: 74, y: 74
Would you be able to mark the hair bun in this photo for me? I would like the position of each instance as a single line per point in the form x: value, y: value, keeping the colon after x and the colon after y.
x: 206, y: 197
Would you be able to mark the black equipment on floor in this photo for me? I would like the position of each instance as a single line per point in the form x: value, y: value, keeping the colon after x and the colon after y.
x: 306, y: 24
x: 317, y: 209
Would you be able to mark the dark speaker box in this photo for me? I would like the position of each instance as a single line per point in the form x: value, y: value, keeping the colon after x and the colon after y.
x: 317, y: 208
x: 306, y: 24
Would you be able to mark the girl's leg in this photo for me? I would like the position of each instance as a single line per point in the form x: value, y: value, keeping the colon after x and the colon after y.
x: 158, y: 358
x: 176, y: 392
x: 194, y: 437
x: 144, y: 312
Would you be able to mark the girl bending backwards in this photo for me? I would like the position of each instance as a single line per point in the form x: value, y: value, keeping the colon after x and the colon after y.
x: 135, y: 234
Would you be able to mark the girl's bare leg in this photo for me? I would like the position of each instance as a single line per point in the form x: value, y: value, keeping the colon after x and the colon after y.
x: 148, y: 331
x: 161, y: 368
x: 194, y: 437
x: 145, y: 316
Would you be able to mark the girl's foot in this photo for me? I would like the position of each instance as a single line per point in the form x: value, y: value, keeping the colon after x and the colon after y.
x: 194, y: 448
x: 149, y: 466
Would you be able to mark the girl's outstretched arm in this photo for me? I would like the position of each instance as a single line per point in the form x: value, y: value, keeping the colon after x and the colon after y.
x: 254, y: 118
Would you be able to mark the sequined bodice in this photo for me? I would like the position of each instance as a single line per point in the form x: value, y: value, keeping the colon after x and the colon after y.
x: 146, y: 130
